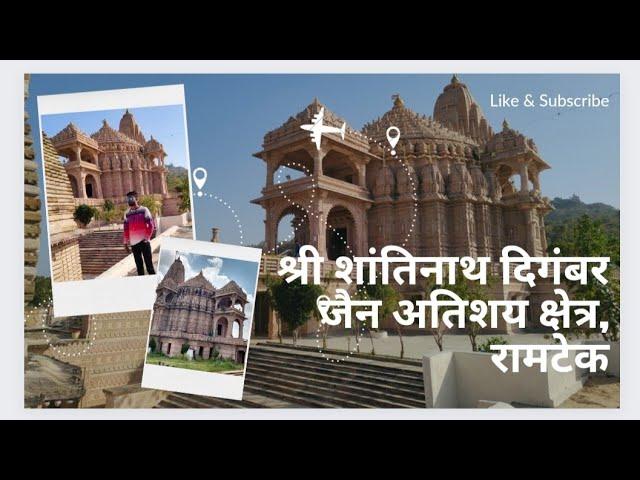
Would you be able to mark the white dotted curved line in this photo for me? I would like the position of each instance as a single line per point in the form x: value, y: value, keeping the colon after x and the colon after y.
x: 201, y: 194
x: 55, y: 348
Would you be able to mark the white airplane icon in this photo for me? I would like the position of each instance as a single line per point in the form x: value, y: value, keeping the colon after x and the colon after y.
x: 317, y: 128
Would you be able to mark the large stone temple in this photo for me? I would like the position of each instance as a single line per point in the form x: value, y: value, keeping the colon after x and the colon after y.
x: 454, y: 188
x: 193, y: 312
x: 109, y: 163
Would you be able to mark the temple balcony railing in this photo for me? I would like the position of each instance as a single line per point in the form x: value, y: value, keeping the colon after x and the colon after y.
x: 307, y: 183
x: 82, y: 164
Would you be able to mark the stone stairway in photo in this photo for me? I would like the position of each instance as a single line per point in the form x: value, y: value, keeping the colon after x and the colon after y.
x: 100, y: 250
x: 286, y: 377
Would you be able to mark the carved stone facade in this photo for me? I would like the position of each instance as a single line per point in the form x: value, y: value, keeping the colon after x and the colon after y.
x: 110, y: 353
x: 449, y: 190
x: 110, y: 162
x: 451, y: 171
x: 31, y: 207
x: 65, y: 242
x: 195, y: 313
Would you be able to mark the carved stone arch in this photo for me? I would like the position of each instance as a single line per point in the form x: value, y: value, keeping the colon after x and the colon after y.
x: 338, y: 222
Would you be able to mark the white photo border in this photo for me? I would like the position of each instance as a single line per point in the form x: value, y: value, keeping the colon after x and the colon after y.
x: 194, y: 381
x: 107, y: 295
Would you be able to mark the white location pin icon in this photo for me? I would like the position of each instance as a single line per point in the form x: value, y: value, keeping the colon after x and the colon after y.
x: 393, y: 141
x: 199, y: 177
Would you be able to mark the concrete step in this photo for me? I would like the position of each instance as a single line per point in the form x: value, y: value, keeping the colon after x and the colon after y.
x: 371, y: 386
x: 345, y: 365
x: 313, y: 395
x: 262, y: 388
x: 199, y: 401
x: 365, y: 397
x: 365, y: 379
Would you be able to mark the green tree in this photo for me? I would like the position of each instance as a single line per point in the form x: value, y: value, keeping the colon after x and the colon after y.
x: 108, y: 205
x: 468, y: 290
x: 389, y: 298
x: 182, y: 187
x: 84, y: 214
x: 587, y: 237
x: 154, y: 206
x: 42, y: 293
x: 294, y: 303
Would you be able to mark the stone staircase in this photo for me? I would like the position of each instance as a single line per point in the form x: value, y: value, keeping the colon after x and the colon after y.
x: 100, y: 250
x: 285, y: 377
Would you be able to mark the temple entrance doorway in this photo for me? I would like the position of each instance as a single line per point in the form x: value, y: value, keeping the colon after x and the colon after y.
x: 89, y: 189
x: 341, y: 233
x: 240, y: 357
x: 336, y: 246
x: 261, y: 315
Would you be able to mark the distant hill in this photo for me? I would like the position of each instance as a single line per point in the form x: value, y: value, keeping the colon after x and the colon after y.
x: 568, y: 209
x: 174, y: 175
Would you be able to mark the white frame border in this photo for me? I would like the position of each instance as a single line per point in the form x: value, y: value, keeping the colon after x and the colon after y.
x: 107, y: 295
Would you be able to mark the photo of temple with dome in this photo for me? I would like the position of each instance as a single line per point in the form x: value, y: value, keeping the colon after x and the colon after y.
x: 195, y: 321
x: 88, y: 177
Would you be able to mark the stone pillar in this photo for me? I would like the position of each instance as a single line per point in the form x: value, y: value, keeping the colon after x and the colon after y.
x: 163, y: 182
x: 82, y: 187
x: 318, y: 155
x: 318, y: 227
x: 117, y: 184
x: 362, y: 176
x: 270, y: 230
x: 78, y: 153
x: 140, y: 183
x: 98, y: 180
x: 524, y: 177
x: 271, y: 169
x: 535, y: 178
x: 147, y: 183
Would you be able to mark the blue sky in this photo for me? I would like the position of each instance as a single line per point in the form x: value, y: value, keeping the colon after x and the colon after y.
x: 165, y: 123
x: 228, y: 115
x: 219, y: 271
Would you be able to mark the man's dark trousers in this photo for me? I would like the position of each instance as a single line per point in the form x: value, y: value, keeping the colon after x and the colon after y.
x: 143, y: 250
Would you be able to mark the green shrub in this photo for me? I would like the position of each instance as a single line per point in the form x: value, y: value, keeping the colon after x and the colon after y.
x: 185, y: 348
x: 108, y: 206
x: 154, y: 206
x: 152, y: 344
x: 84, y: 214
x: 215, y: 354
x: 486, y: 346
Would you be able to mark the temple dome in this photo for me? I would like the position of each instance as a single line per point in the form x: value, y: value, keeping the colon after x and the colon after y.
x: 71, y: 133
x: 456, y: 108
x: 106, y: 134
x: 508, y: 140
x: 232, y: 287
x: 153, y: 146
x: 292, y: 125
x: 199, y: 281
x: 413, y: 126
x: 129, y: 127
x: 175, y: 274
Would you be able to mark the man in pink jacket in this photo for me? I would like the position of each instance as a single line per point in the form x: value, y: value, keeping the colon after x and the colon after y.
x: 138, y: 229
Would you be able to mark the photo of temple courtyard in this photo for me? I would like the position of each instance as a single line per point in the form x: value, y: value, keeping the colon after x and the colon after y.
x: 88, y: 176
x: 458, y: 186
x: 196, y: 325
